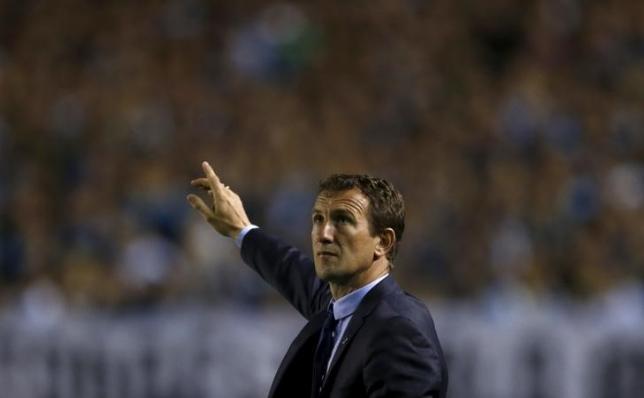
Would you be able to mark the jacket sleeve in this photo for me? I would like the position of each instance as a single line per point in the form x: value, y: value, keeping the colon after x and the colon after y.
x: 286, y: 269
x: 403, y: 363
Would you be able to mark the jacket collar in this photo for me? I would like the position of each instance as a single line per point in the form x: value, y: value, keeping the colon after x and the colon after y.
x: 368, y: 304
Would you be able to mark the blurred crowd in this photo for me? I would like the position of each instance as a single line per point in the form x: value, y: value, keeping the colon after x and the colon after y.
x: 514, y: 130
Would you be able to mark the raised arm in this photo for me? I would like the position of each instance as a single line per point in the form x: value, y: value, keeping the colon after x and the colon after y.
x: 282, y: 266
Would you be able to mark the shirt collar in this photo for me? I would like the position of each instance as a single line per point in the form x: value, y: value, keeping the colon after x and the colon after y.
x: 347, y: 305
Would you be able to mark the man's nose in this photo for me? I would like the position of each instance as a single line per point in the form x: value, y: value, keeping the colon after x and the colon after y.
x: 325, y: 233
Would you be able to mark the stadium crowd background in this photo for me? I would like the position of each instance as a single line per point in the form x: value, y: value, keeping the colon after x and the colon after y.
x: 515, y: 131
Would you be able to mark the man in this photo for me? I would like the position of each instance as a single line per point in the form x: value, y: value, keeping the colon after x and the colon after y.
x: 365, y: 336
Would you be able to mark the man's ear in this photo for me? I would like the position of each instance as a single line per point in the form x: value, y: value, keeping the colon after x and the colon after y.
x: 386, y: 242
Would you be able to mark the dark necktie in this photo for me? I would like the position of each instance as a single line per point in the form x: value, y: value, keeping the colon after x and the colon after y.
x: 323, y: 351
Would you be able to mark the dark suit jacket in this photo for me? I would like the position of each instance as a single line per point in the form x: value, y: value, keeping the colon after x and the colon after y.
x: 390, y: 348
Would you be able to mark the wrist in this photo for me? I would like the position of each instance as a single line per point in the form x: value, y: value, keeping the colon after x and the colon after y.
x: 239, y: 237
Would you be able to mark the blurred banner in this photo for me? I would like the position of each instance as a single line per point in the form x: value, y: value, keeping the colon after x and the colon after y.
x: 225, y: 352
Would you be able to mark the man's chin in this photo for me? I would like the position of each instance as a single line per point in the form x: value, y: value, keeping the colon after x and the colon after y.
x: 328, y: 275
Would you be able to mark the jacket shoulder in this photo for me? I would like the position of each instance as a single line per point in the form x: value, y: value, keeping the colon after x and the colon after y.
x: 402, y: 307
x: 405, y: 358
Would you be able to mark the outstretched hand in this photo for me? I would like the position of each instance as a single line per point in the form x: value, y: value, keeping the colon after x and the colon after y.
x: 226, y: 212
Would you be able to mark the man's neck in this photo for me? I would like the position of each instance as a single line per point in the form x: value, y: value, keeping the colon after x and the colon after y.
x: 339, y: 290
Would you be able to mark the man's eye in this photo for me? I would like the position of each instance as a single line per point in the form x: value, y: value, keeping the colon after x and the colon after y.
x: 317, y: 218
x: 343, y: 219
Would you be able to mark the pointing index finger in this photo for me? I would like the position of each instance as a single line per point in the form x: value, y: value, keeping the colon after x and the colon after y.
x: 213, y: 180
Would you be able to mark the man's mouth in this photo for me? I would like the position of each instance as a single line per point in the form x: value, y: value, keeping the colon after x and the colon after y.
x: 325, y: 253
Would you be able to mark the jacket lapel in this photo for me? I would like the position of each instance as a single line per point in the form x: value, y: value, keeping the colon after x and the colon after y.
x: 354, y: 325
x: 368, y: 304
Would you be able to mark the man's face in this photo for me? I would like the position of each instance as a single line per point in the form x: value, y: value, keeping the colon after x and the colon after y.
x: 343, y: 247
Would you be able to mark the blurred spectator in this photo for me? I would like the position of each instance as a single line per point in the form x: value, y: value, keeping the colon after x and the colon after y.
x: 515, y: 132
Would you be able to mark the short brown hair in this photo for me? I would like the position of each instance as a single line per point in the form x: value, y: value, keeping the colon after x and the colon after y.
x: 386, y: 205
